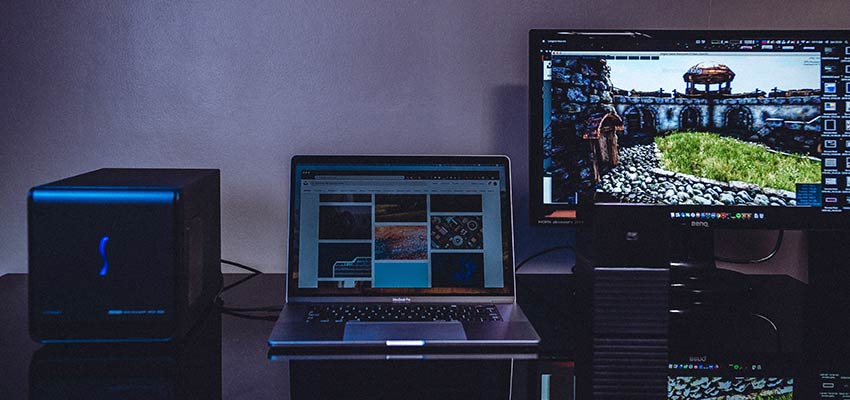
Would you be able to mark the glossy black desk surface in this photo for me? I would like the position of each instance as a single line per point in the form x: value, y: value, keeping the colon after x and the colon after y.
x: 227, y: 357
x: 234, y: 361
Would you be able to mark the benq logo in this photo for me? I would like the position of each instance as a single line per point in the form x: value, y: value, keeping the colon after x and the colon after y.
x: 697, y: 358
x: 699, y: 224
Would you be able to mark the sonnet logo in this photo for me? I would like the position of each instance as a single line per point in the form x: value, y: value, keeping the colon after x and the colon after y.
x: 102, y: 249
x: 401, y: 299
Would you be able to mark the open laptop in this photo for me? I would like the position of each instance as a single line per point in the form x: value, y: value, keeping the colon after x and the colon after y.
x: 389, y: 251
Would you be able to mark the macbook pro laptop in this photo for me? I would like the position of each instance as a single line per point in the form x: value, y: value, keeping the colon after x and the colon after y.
x: 389, y: 251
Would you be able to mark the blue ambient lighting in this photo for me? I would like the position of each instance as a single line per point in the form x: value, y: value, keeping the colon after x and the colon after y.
x: 135, y: 312
x: 103, y: 269
x: 102, y: 196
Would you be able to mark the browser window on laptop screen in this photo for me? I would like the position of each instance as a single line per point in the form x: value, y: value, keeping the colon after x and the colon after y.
x: 400, y: 229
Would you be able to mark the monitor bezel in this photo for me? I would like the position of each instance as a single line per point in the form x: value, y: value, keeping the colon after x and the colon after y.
x: 775, y: 217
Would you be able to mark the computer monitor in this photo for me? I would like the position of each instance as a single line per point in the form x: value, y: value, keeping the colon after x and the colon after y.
x: 653, y: 140
x: 735, y: 129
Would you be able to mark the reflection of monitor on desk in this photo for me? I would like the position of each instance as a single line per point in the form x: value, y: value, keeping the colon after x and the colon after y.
x: 658, y: 142
x: 723, y: 377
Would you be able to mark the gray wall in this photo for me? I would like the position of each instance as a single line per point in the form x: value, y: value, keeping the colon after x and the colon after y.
x: 242, y: 86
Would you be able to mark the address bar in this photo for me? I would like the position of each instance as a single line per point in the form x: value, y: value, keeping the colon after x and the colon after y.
x: 360, y: 177
x: 367, y: 182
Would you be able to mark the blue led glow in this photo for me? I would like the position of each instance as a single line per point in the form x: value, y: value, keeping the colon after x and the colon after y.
x: 105, y: 266
x: 135, y: 312
x: 102, y: 196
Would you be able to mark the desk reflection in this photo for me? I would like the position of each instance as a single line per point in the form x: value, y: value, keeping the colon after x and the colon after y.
x: 187, y: 369
x: 427, y: 376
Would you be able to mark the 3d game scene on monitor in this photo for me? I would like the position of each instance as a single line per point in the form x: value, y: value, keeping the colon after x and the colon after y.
x: 726, y: 125
x: 725, y: 128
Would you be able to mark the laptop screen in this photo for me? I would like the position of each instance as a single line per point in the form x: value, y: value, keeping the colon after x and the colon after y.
x: 400, y: 226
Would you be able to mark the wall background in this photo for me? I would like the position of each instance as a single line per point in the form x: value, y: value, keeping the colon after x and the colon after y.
x: 243, y: 86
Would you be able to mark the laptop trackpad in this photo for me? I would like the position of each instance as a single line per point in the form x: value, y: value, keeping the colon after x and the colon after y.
x: 381, y: 331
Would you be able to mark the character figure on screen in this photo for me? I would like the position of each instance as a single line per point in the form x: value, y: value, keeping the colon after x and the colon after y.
x: 584, y: 125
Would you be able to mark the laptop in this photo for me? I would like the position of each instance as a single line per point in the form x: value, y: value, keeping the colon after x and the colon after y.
x: 401, y: 251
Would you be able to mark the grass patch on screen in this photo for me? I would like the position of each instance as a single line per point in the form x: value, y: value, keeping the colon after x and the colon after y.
x: 725, y: 159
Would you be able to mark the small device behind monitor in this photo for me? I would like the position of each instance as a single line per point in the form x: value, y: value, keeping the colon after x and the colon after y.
x: 123, y: 255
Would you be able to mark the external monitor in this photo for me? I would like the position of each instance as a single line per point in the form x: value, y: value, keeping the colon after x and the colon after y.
x: 685, y: 132
x: 730, y: 129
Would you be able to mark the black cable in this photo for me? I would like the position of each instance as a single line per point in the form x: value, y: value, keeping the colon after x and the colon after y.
x: 250, y: 316
x: 254, y: 272
x: 542, y: 252
x: 237, y: 283
x: 775, y: 329
x: 243, y: 266
x: 219, y: 302
x: 543, y: 300
x: 252, y: 309
x: 772, y: 253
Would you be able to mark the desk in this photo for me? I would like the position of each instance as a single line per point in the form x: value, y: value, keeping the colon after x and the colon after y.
x: 228, y: 357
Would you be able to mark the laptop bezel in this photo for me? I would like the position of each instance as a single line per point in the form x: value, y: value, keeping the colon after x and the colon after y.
x: 501, y: 160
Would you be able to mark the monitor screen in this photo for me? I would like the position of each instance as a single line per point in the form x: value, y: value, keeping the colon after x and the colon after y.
x: 738, y: 128
x: 388, y: 226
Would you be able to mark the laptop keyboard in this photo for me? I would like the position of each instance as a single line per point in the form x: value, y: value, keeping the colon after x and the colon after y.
x: 336, y: 313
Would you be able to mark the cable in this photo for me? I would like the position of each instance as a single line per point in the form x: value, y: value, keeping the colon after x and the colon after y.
x: 542, y: 252
x: 240, y: 311
x: 775, y: 328
x: 220, y: 305
x: 552, y: 308
x: 250, y: 316
x: 254, y: 272
x: 237, y: 283
x: 243, y: 266
x: 757, y: 260
x: 252, y: 309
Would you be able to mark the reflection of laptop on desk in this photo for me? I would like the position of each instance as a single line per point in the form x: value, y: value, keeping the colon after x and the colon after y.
x: 401, y: 251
